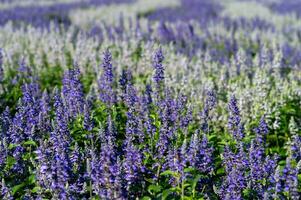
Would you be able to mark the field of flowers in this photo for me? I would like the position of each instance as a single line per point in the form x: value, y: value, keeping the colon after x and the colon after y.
x: 150, y: 99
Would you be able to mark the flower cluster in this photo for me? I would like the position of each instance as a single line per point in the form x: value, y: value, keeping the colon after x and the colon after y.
x: 172, y: 103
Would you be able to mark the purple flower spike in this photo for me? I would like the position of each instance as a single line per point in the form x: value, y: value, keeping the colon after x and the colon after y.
x: 73, y: 92
x: 106, y: 81
x: 234, y: 121
x: 1, y: 66
x: 158, y: 77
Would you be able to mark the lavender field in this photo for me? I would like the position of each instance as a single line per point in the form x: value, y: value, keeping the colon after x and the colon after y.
x: 150, y: 99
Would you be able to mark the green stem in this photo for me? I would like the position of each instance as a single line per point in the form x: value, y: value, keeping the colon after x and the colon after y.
x: 182, y: 190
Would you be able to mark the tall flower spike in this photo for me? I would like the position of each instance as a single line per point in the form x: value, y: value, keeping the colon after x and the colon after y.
x: 3, y: 154
x: 176, y: 163
x: 1, y: 66
x: 5, y: 191
x: 295, y: 145
x: 210, y: 103
x: 75, y: 157
x: 73, y: 92
x: 106, y: 81
x: 125, y: 79
x: 290, y: 177
x: 107, y: 66
x: 31, y: 107
x: 15, y: 132
x: 44, y: 119
x: 277, y: 182
x: 132, y: 164
x: 106, y: 169
x: 200, y: 154
x: 159, y: 70
x: 43, y: 172
x: 5, y: 121
x: 234, y: 121
x: 133, y: 123
x: 148, y: 95
x: 60, y: 136
x: 88, y: 122
x: 256, y: 165
x: 60, y: 171
x: 261, y: 131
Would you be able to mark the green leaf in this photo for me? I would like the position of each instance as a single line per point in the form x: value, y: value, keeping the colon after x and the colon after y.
x: 195, y: 181
x: 168, y: 173
x: 150, y: 180
x: 10, y: 161
x: 11, y: 146
x: 31, y: 179
x: 27, y: 156
x: 146, y: 198
x: 282, y: 162
x: 153, y: 189
x: 189, y: 170
x: 35, y: 189
x: 165, y: 194
x: 30, y: 142
x: 16, y: 188
x: 212, y: 137
x: 247, y: 192
x: 220, y: 171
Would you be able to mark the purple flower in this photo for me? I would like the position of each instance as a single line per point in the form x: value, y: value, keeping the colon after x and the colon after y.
x: 134, y: 127
x: 131, y: 97
x: 269, y: 169
x: 44, y: 119
x: 295, y: 144
x: 5, y: 191
x: 158, y: 76
x: 75, y: 157
x: 290, y: 178
x: 261, y: 131
x: 3, y: 154
x: 60, y: 136
x: 165, y: 33
x: 60, y: 174
x: 175, y: 161
x: 25, y: 70
x: 88, y: 122
x: 233, y: 185
x: 132, y: 164
x: 43, y: 172
x: 73, y: 92
x: 1, y: 66
x: 164, y: 143
x: 200, y: 154
x: 31, y: 108
x: 148, y: 95
x: 256, y: 165
x: 106, y: 81
x: 234, y: 121
x: 186, y: 118
x: 277, y: 182
x: 125, y: 79
x: 236, y: 166
x: 5, y: 122
x: 210, y: 103
x: 106, y: 171
x: 19, y: 166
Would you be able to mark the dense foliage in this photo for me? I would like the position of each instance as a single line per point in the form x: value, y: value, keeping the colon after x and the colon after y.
x: 163, y: 102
